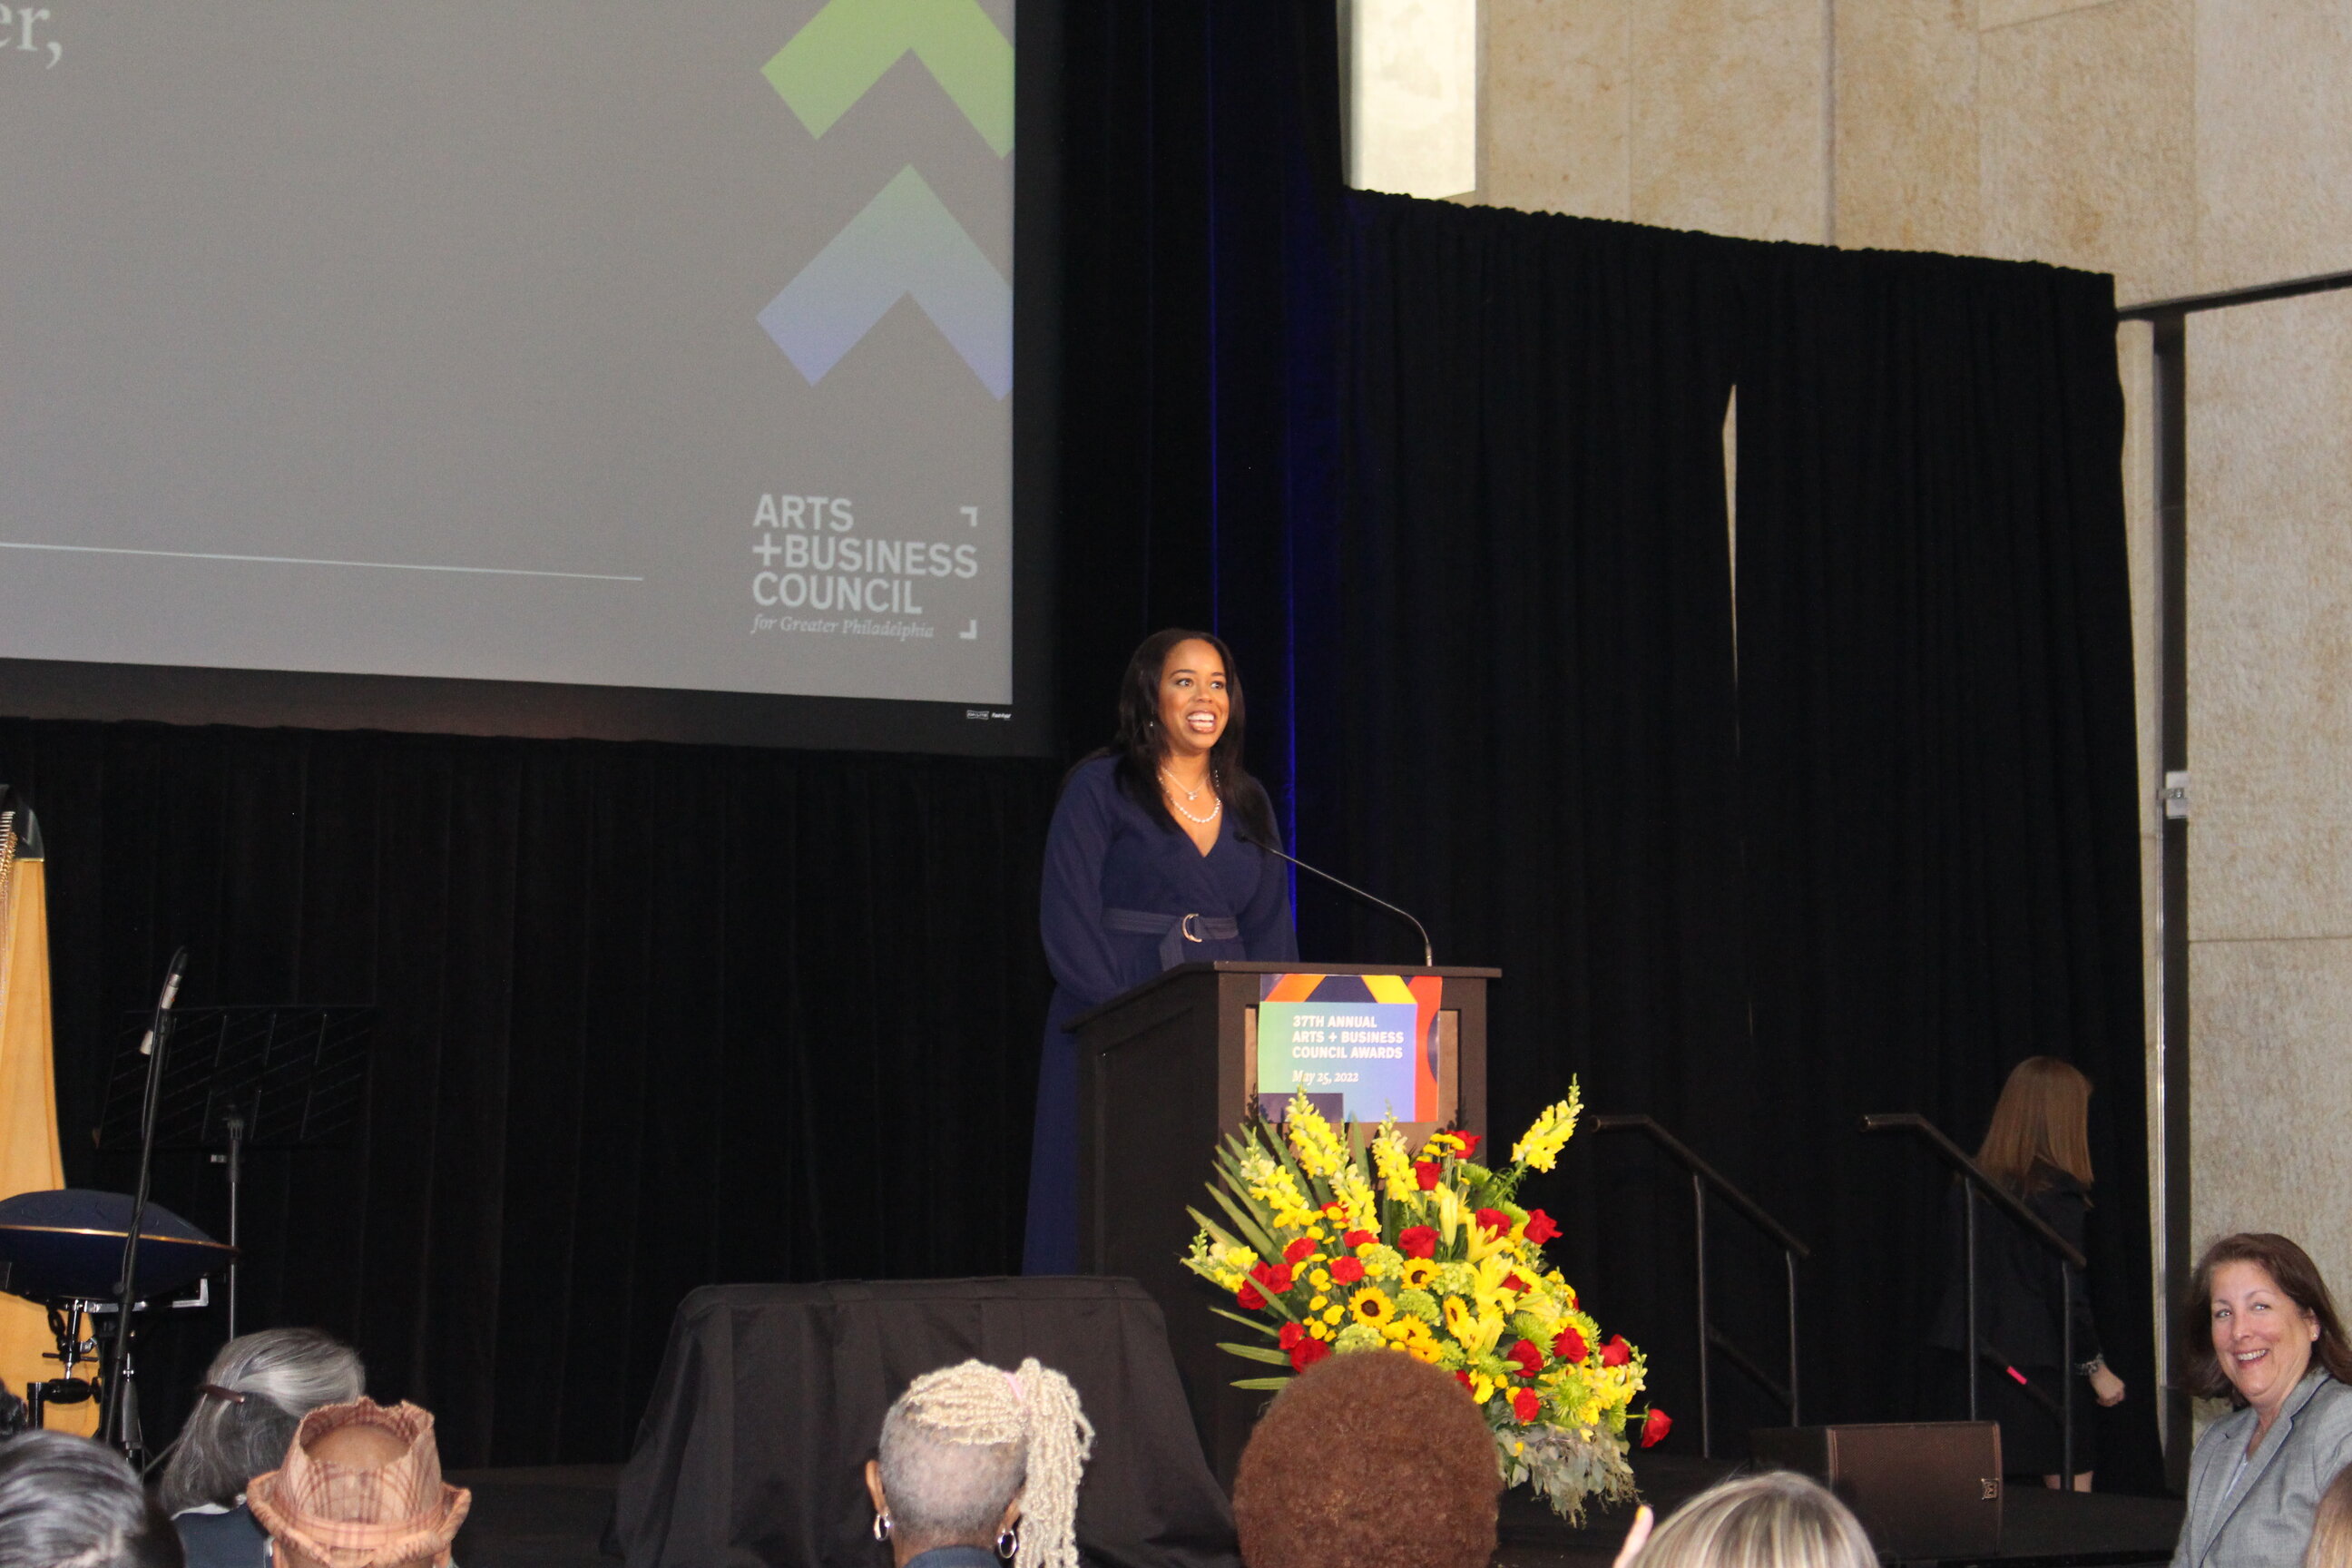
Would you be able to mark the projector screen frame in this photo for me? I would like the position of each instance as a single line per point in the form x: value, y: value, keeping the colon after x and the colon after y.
x: 197, y: 695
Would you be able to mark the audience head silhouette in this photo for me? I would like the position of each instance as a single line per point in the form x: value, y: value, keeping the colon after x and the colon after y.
x: 1369, y: 1460
x: 2331, y: 1526
x: 1771, y: 1521
x: 66, y: 1502
x: 974, y: 1457
x: 254, y: 1393
x: 361, y: 1487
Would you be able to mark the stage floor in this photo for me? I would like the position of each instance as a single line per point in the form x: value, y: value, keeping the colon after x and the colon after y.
x: 554, y: 1518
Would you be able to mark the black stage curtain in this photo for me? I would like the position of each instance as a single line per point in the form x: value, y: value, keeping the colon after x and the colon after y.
x: 1863, y: 854
x: 1528, y: 732
x: 652, y: 1018
x: 1199, y: 166
x: 1938, y: 764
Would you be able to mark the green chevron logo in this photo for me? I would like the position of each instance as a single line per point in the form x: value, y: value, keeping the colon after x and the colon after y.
x: 834, y: 60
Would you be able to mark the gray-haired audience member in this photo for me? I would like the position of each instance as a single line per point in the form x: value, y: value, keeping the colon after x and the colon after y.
x: 254, y: 1396
x: 979, y: 1467
x: 67, y: 1502
x: 1775, y: 1520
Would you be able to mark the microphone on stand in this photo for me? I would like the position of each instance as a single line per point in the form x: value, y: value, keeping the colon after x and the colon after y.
x: 1428, y: 957
x: 164, y: 1004
x: 118, y: 1421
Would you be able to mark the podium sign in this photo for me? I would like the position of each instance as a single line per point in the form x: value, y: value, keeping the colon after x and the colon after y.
x: 1363, y: 1047
x: 1169, y: 1068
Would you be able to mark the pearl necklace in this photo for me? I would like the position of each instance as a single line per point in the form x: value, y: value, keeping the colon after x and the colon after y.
x: 1174, y: 789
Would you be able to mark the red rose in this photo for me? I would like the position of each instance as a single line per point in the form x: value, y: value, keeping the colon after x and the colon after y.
x: 1278, y: 1280
x: 1306, y: 1352
x: 1469, y: 1143
x: 1298, y: 1251
x: 1291, y: 1334
x: 1417, y: 1241
x: 1464, y: 1379
x: 1541, y: 1228
x: 1347, y: 1271
x: 1494, y: 1222
x: 1358, y: 1237
x: 1616, y: 1352
x: 1656, y: 1425
x: 1517, y: 1282
x: 1250, y: 1301
x: 1569, y: 1346
x: 1525, y: 1405
x: 1425, y: 1172
x: 1530, y: 1358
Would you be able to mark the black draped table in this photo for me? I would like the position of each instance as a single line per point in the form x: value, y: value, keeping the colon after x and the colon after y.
x: 770, y: 1398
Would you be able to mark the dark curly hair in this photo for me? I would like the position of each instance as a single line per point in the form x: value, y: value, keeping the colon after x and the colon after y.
x: 1369, y: 1460
x: 2297, y: 1278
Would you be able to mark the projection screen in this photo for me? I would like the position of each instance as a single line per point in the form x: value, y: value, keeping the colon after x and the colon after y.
x: 545, y: 342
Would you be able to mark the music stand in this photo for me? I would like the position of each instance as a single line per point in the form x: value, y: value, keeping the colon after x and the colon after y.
x: 243, y: 1077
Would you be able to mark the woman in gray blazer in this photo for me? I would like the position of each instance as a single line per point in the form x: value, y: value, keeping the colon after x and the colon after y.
x: 2261, y: 1328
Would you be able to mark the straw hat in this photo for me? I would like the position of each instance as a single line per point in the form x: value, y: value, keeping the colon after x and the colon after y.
x: 350, y: 1516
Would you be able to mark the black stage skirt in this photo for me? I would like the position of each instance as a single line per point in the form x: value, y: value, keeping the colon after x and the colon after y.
x: 2030, y: 1433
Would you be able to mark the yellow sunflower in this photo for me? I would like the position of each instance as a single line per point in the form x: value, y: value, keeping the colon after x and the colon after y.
x: 1371, y: 1305
x: 1419, y: 1272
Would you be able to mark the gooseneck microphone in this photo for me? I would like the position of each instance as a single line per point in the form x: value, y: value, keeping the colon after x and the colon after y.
x: 1428, y: 955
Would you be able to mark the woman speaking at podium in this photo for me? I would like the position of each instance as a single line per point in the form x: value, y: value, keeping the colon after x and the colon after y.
x: 1152, y: 861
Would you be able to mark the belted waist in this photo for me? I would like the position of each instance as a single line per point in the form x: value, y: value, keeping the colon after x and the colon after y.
x: 1173, y: 930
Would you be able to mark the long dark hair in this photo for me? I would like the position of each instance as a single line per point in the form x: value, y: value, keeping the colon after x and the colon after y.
x: 1140, y: 747
x: 2298, y: 1279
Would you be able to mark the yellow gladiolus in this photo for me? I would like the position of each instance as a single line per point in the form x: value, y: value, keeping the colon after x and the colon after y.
x: 1542, y: 1143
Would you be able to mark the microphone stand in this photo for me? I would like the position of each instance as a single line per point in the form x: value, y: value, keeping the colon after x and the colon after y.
x: 159, y: 1039
x: 1428, y: 955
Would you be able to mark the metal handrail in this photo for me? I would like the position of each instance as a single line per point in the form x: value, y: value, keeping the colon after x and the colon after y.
x: 1975, y: 1182
x: 1704, y: 1177
x: 2008, y: 1203
x: 1690, y: 1161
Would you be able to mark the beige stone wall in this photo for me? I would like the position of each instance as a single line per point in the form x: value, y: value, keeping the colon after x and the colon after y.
x: 2186, y: 146
x: 2050, y: 130
x: 2270, y: 727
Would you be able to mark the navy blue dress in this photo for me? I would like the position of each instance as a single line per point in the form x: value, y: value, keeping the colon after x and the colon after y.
x: 1118, y: 885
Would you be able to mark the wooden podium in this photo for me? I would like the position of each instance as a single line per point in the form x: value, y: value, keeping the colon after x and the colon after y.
x: 1165, y: 1072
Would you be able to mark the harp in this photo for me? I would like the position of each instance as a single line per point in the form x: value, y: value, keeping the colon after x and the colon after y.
x: 8, y: 813
x: 29, y: 1155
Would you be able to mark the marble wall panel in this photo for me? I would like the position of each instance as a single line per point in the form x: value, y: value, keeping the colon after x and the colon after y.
x: 1556, y: 99
x: 2086, y: 152
x: 2136, y: 366
x: 2270, y: 619
x: 1905, y: 127
x: 2144, y: 526
x: 2270, y: 1076
x: 2273, y: 158
x: 1729, y: 116
x: 1994, y: 14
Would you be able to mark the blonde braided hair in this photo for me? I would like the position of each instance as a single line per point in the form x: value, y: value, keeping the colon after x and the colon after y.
x: 1031, y: 1425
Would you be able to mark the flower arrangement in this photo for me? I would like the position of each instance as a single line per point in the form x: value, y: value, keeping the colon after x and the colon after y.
x: 1329, y: 1250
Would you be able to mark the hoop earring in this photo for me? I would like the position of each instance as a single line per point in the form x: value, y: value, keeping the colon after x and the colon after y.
x: 1008, y: 1543
x: 881, y: 1527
